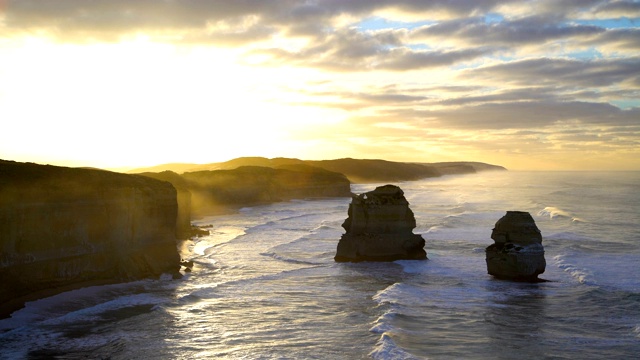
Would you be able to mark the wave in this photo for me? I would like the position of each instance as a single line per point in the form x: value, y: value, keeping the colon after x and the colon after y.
x: 583, y: 276
x: 73, y: 313
x: 554, y: 213
x: 387, y: 349
x: 289, y: 259
x: 324, y: 227
x: 382, y: 323
x: 78, y: 301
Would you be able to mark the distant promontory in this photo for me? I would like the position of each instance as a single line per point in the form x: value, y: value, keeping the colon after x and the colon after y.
x: 356, y: 170
x: 220, y: 187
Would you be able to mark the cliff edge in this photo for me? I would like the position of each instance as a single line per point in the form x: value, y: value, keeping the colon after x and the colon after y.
x: 63, y: 228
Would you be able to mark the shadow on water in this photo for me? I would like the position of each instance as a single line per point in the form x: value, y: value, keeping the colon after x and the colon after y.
x: 378, y: 275
x: 550, y: 320
x: 516, y: 319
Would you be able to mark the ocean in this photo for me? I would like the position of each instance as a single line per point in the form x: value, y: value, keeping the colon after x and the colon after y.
x: 265, y: 286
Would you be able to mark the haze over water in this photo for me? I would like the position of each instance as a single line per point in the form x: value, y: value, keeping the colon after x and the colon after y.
x: 265, y: 285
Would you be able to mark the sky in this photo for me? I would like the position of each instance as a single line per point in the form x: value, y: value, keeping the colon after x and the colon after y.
x: 529, y: 85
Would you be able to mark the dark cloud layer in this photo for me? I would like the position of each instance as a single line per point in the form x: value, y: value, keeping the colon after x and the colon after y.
x: 563, y: 72
x: 524, y: 31
x: 332, y: 45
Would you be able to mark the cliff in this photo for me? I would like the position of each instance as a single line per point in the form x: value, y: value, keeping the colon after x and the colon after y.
x: 62, y: 228
x: 463, y: 167
x: 372, y: 171
x: 183, y: 221
x: 247, y: 185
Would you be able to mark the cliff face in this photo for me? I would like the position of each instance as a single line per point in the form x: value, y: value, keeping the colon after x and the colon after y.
x: 183, y: 222
x: 64, y: 226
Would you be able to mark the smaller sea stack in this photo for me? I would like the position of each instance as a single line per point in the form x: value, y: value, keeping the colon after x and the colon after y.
x: 379, y: 228
x: 517, y: 253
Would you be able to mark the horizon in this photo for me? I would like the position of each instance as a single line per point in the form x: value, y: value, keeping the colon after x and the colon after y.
x: 134, y: 170
x: 530, y: 86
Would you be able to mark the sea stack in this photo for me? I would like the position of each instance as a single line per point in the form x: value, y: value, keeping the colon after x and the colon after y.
x: 379, y: 228
x: 517, y: 253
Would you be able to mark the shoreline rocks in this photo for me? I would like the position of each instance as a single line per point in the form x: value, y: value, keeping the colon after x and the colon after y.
x: 379, y: 228
x: 517, y: 253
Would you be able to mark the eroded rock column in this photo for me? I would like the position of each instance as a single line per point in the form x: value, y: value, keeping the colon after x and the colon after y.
x: 517, y: 253
x: 379, y: 228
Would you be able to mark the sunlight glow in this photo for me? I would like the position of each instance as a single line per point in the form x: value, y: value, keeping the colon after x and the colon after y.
x: 119, y: 96
x: 109, y: 84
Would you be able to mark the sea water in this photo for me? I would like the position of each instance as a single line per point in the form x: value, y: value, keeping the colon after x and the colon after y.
x: 264, y: 284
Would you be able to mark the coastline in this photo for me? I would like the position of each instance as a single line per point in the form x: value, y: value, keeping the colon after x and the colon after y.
x: 9, y: 307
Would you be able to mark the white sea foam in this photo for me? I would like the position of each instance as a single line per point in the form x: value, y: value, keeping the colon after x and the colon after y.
x: 33, y: 335
x: 555, y: 213
x: 583, y: 276
x: 387, y: 349
x: 382, y: 324
x: 60, y: 305
x: 93, y: 312
x: 390, y: 295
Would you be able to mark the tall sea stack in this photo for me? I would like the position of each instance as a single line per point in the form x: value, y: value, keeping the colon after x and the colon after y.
x: 517, y: 253
x: 379, y: 228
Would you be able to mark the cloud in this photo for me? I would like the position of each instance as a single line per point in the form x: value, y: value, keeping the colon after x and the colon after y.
x: 520, y: 115
x: 559, y: 72
x: 627, y: 40
x: 352, y: 50
x: 523, y: 31
x: 106, y: 20
x: 75, y: 19
x: 614, y: 9
x: 523, y: 94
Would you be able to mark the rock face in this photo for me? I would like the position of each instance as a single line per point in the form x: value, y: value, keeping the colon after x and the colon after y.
x: 183, y: 222
x: 517, y: 253
x: 379, y: 228
x: 62, y: 227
